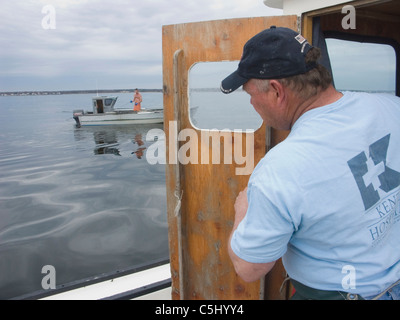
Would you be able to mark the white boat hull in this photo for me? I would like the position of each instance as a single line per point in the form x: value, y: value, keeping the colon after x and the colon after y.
x: 127, y: 285
x: 120, y: 117
x: 146, y: 282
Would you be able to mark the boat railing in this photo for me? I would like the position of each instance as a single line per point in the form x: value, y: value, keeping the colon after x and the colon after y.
x: 133, y: 293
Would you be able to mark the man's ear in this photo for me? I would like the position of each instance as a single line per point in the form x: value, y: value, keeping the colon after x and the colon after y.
x: 277, y: 89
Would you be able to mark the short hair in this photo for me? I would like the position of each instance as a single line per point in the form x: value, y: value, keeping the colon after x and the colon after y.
x: 307, y: 84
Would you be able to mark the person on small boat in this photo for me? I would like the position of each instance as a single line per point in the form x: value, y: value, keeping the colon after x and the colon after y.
x: 326, y: 199
x: 137, y: 101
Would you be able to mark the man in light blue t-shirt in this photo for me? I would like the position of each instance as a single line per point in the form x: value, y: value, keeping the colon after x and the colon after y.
x: 327, y: 199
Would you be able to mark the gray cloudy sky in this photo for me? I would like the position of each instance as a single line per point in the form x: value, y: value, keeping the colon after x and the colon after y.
x: 116, y: 44
x: 113, y: 44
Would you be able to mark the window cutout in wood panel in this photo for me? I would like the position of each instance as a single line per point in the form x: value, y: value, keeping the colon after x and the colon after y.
x: 212, y: 109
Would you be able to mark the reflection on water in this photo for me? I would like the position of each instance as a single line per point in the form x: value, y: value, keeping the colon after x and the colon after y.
x: 114, y: 139
x: 83, y: 200
x: 140, y: 150
x: 106, y: 143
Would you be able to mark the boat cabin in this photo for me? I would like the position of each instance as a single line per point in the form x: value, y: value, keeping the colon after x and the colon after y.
x: 366, y: 30
x: 103, y: 104
x: 201, y: 192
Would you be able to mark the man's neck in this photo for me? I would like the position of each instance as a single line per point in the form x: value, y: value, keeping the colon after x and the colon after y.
x: 323, y: 98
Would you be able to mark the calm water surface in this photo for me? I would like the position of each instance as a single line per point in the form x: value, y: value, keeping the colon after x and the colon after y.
x: 85, y: 201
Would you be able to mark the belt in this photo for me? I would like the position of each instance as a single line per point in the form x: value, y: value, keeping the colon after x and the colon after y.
x: 304, y: 292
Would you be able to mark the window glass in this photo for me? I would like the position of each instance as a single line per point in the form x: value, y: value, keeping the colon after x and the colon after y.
x: 108, y: 102
x: 212, y: 109
x: 358, y: 66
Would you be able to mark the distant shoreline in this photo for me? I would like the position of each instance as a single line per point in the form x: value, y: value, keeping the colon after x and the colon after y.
x: 60, y: 92
x: 102, y: 91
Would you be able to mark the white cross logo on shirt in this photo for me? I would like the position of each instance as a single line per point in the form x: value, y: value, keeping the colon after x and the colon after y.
x: 372, y: 176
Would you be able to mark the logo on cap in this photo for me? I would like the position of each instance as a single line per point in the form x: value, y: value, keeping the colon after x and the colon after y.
x: 300, y: 38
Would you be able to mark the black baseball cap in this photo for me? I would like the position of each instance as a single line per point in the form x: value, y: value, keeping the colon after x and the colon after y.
x: 274, y: 53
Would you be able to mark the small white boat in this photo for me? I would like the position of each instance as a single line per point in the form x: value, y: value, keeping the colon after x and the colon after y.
x: 104, y: 114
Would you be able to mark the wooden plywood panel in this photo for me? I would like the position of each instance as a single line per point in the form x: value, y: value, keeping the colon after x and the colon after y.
x: 200, y: 196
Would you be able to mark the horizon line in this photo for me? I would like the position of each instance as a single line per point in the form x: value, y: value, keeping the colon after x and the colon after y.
x: 43, y: 92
